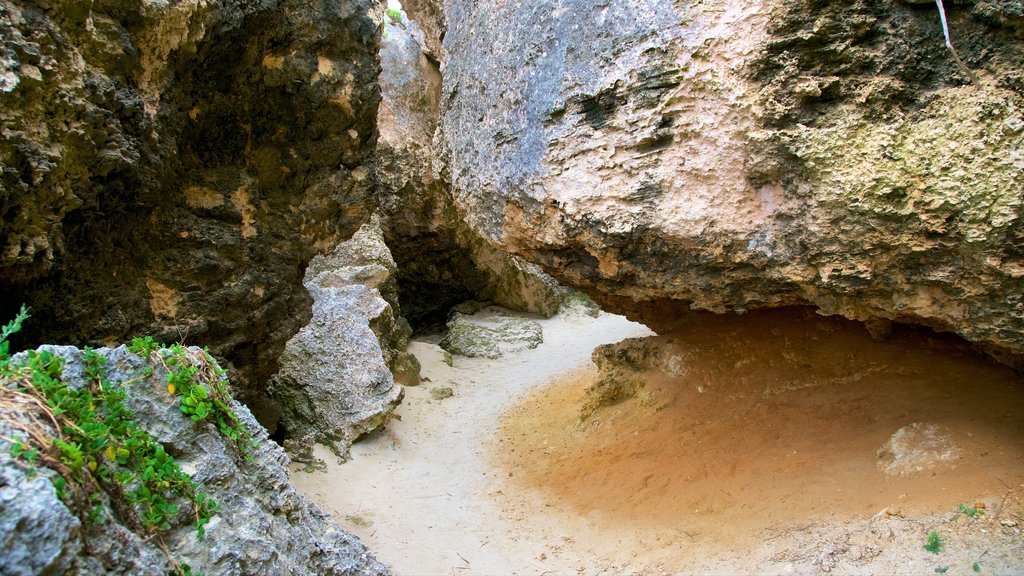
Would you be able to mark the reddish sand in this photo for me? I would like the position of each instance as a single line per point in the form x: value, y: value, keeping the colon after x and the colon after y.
x: 775, y: 422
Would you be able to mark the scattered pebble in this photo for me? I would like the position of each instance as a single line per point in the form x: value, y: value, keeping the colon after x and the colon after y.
x: 441, y: 392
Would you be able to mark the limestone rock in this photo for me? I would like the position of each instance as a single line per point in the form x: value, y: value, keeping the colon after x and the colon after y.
x: 441, y: 261
x: 662, y: 156
x: 263, y: 527
x: 915, y: 448
x: 335, y: 383
x: 623, y: 368
x: 490, y: 333
x: 169, y: 168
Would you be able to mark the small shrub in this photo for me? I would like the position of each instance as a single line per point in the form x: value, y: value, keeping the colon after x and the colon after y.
x: 934, y: 543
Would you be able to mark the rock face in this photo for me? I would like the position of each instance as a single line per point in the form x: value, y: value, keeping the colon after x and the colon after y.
x: 263, y: 526
x: 441, y: 261
x: 663, y: 156
x: 170, y: 168
x: 335, y: 383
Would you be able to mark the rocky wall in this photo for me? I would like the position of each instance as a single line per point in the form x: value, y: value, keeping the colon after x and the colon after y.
x: 441, y: 261
x: 664, y: 155
x: 170, y: 168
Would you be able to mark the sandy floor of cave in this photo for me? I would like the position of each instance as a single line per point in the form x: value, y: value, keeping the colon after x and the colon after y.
x: 761, y: 458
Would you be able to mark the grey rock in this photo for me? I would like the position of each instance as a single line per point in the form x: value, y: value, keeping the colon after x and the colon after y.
x: 441, y: 260
x: 663, y: 156
x: 335, y: 383
x: 491, y: 333
x: 263, y: 525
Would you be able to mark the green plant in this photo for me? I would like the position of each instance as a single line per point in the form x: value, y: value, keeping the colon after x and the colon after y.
x: 200, y: 385
x: 934, y: 543
x: 970, y: 511
x: 104, y: 464
x: 395, y: 15
x: 976, y: 567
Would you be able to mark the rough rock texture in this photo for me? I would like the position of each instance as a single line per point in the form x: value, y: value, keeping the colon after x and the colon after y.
x: 263, y: 526
x: 441, y: 261
x: 490, y: 333
x: 662, y: 155
x: 915, y: 448
x: 335, y: 384
x: 622, y: 370
x: 170, y: 168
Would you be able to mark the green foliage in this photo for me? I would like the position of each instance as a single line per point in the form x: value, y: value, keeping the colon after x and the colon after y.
x: 970, y: 511
x: 395, y: 15
x: 934, y: 543
x: 976, y: 567
x: 6, y: 332
x: 200, y: 385
x: 104, y: 462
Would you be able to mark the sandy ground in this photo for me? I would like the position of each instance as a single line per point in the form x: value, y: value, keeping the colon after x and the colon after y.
x: 718, y: 471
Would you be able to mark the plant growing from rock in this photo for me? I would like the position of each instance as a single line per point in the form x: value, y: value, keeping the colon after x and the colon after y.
x: 103, y: 463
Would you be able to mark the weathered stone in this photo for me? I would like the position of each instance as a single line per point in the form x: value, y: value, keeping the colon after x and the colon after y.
x: 490, y: 333
x: 335, y: 383
x: 915, y: 448
x: 441, y: 393
x: 623, y: 369
x: 441, y: 261
x: 170, y: 168
x: 733, y: 155
x: 262, y: 527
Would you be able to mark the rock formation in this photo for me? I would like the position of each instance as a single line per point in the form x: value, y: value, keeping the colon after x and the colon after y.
x: 262, y: 526
x: 441, y: 262
x: 171, y: 168
x: 490, y: 333
x: 335, y: 382
x: 663, y: 156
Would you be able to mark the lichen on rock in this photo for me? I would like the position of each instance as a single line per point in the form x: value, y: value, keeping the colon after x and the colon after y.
x: 733, y: 156
x: 490, y: 333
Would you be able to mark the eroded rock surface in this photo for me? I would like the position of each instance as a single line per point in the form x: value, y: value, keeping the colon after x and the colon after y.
x: 170, y: 168
x: 915, y: 448
x: 263, y: 527
x: 490, y: 333
x: 737, y: 155
x: 335, y: 382
x: 441, y: 260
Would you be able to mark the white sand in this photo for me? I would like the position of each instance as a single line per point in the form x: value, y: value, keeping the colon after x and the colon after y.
x: 422, y: 494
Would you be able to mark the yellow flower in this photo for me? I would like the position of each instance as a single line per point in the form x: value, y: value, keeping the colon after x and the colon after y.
x: 110, y: 453
x: 92, y: 465
x: 170, y: 388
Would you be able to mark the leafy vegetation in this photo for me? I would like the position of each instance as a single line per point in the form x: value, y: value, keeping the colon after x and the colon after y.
x: 934, y: 543
x: 200, y: 386
x: 970, y: 511
x: 106, y: 465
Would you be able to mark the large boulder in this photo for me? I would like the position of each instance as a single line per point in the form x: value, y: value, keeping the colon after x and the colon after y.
x: 441, y: 260
x: 335, y: 382
x: 663, y: 156
x: 262, y: 526
x: 169, y: 168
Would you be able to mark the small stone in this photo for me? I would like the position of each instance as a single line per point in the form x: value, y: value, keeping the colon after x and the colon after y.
x: 441, y: 392
x: 1008, y: 522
